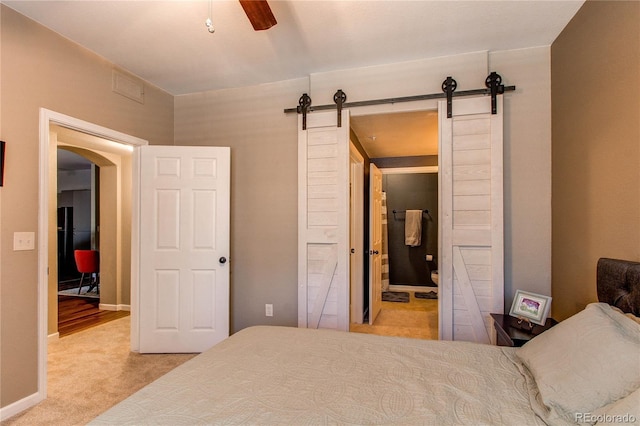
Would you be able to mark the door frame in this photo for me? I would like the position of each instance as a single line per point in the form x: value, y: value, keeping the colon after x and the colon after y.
x: 356, y: 231
x: 48, y: 117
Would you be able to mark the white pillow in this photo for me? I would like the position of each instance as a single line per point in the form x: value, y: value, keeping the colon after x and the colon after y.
x: 624, y: 411
x: 585, y: 362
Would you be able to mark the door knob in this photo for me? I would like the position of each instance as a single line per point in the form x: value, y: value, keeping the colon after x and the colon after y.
x: 373, y: 252
x: 223, y: 260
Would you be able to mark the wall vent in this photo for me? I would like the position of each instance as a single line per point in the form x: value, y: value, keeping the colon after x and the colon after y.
x: 128, y: 86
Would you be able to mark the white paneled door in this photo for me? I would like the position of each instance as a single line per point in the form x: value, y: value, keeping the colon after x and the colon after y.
x: 323, y: 221
x: 375, y: 239
x: 183, y: 248
x: 471, y: 265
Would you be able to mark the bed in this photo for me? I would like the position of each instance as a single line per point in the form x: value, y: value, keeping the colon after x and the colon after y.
x: 584, y: 370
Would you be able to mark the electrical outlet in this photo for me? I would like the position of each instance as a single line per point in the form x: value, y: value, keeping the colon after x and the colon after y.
x: 268, y: 310
x: 24, y: 241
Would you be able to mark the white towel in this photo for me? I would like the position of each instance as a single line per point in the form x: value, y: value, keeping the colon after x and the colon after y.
x: 413, y: 228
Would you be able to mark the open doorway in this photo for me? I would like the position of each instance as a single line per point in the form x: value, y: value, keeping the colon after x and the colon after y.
x: 77, y: 218
x: 404, y: 147
x: 89, y: 201
x: 97, y: 138
x: 78, y: 222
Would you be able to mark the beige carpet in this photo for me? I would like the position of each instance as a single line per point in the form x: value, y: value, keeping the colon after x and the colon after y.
x: 92, y: 370
x: 417, y: 319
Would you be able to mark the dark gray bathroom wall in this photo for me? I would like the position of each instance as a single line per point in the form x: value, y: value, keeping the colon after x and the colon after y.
x: 411, y: 191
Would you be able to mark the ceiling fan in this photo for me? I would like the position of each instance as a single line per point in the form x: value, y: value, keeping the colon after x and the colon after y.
x: 259, y: 14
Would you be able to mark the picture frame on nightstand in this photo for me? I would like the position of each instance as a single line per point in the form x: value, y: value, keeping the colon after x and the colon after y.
x: 530, y: 307
x: 2, y: 145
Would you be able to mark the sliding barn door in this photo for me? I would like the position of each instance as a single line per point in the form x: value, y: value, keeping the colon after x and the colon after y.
x: 471, y: 207
x: 323, y: 221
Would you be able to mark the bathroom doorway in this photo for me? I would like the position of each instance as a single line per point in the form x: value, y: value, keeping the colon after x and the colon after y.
x: 404, y: 146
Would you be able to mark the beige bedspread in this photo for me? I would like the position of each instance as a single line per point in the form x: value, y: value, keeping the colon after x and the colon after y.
x: 281, y: 375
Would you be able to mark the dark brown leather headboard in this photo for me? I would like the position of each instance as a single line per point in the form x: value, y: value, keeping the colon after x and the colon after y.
x: 619, y: 284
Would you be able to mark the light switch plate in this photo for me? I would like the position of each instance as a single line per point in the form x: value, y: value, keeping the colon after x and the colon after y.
x: 24, y: 241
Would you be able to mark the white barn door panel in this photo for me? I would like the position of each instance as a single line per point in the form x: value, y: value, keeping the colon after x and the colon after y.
x: 323, y: 221
x: 471, y: 206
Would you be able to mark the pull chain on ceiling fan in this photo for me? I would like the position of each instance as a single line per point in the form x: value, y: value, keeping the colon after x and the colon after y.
x: 208, y: 22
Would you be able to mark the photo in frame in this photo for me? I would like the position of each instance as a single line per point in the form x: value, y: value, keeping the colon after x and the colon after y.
x: 530, y: 307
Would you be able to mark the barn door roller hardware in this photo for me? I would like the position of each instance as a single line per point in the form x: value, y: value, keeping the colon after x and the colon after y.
x: 493, y: 88
x: 339, y: 98
x: 303, y: 107
x: 448, y: 87
x: 494, y: 83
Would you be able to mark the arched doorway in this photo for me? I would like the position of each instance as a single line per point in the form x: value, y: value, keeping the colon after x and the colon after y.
x: 111, y: 232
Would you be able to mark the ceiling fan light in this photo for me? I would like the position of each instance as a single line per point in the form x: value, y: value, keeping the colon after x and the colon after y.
x: 208, y: 22
x: 209, y: 25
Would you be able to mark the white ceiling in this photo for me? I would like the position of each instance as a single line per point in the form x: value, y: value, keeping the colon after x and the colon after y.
x: 167, y: 44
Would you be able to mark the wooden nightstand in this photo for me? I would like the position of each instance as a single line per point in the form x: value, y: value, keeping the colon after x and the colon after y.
x: 509, y: 333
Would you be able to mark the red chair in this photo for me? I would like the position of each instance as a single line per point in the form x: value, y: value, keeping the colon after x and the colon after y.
x: 88, y: 262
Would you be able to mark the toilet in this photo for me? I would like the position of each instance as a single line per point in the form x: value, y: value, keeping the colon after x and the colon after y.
x: 434, y: 272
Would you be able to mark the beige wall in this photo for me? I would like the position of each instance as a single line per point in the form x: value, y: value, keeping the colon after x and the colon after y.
x: 263, y: 143
x: 595, y: 65
x: 42, y: 69
x: 527, y: 169
x: 264, y: 190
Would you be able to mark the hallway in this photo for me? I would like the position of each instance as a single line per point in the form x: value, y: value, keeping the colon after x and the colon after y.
x: 417, y: 319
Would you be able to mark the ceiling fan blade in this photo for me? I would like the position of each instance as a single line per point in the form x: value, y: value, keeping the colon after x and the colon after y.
x: 259, y: 14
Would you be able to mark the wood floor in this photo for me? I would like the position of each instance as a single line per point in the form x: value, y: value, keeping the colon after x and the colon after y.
x: 79, y: 313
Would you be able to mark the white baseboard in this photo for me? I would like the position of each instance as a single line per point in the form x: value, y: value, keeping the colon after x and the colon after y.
x: 53, y: 337
x: 424, y: 288
x: 109, y: 307
x: 19, y: 406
